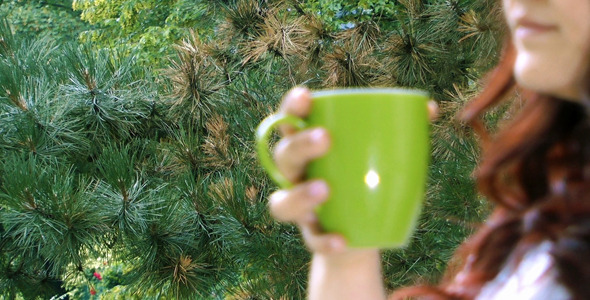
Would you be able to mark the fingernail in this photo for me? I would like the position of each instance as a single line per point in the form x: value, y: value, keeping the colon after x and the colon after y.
x: 298, y: 91
x: 318, y: 190
x: 318, y: 135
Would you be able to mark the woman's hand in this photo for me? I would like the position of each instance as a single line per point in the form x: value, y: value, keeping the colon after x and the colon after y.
x: 292, y: 155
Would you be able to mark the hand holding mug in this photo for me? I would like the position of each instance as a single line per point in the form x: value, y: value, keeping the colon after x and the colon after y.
x: 376, y: 170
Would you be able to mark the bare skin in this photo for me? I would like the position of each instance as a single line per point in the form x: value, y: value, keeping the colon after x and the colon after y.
x: 337, y: 272
x: 552, y: 40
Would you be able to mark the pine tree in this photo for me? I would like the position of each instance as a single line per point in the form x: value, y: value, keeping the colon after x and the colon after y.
x: 103, y: 161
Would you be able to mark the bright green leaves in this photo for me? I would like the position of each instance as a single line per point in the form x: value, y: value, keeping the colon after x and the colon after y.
x: 34, y: 18
x: 341, y: 13
x: 151, y: 27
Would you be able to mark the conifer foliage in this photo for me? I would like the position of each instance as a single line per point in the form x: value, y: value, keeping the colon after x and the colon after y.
x: 103, y: 161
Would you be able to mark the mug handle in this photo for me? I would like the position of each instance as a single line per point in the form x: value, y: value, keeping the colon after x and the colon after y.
x: 262, y: 136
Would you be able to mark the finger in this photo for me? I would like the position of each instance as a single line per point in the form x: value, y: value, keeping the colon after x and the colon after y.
x: 293, y: 153
x: 298, y: 204
x: 319, y: 242
x: 432, y: 110
x: 297, y: 102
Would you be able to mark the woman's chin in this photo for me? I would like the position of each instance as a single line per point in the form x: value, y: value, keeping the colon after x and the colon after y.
x: 550, y: 86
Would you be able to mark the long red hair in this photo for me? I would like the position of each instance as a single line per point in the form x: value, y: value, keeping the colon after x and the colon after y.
x: 537, y: 172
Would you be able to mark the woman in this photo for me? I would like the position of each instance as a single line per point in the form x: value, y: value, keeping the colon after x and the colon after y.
x: 536, y: 243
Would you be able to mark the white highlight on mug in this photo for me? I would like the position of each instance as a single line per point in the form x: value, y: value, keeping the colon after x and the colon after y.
x: 372, y: 179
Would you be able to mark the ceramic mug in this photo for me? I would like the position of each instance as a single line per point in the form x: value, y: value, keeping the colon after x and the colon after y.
x: 376, y: 167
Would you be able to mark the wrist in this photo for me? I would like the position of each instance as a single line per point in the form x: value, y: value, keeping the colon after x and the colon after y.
x: 349, y: 259
x: 352, y: 274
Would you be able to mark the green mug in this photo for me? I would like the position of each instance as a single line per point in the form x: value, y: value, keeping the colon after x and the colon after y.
x: 376, y: 167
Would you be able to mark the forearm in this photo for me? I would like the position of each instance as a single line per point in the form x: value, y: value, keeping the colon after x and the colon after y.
x: 352, y: 275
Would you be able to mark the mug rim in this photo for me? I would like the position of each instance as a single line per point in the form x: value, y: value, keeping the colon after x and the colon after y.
x: 369, y: 90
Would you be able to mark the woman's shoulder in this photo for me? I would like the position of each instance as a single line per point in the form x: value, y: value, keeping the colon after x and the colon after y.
x: 534, y: 276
